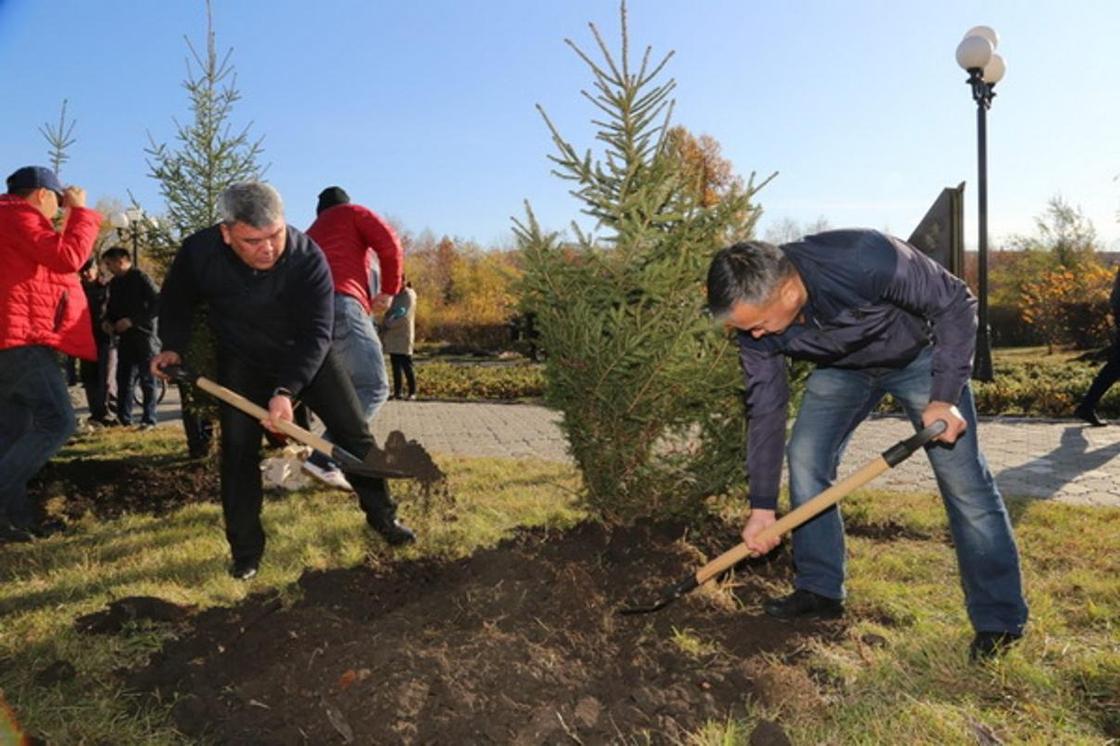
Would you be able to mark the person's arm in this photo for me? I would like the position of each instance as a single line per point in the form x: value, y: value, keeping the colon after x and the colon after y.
x: 64, y: 251
x: 767, y: 382
x: 177, y: 300
x: 922, y: 286
x: 149, y: 305
x: 377, y: 234
x: 311, y: 320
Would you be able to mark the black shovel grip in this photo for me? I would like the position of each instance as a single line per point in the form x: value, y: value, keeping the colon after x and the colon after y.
x: 179, y: 373
x: 903, y: 449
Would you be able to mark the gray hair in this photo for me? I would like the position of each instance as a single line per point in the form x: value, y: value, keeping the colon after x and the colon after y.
x: 748, y: 272
x: 254, y: 203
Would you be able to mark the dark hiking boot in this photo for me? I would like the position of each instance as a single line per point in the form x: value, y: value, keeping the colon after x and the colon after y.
x: 803, y: 604
x: 245, y: 569
x: 1089, y: 415
x: 391, y: 529
x: 989, y: 645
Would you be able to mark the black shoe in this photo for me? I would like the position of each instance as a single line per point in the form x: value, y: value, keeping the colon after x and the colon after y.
x: 392, y: 530
x: 988, y: 645
x: 803, y: 604
x: 245, y: 569
x: 1090, y: 416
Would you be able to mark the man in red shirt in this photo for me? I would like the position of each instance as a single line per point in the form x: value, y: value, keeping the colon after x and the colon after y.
x: 350, y: 235
x: 42, y: 309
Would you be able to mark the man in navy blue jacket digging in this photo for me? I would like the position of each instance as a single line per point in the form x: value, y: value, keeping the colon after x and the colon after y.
x: 877, y: 317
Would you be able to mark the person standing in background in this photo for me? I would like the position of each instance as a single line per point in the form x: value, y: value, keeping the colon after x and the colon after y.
x: 399, y: 338
x: 350, y: 236
x: 94, y: 373
x: 131, y: 314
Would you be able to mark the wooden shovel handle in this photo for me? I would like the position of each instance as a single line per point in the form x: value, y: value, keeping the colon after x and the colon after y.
x: 890, y: 458
x: 290, y: 429
x: 795, y: 518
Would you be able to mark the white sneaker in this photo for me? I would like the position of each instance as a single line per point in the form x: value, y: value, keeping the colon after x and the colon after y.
x: 330, y: 477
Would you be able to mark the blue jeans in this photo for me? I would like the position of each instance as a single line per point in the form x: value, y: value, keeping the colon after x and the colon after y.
x: 835, y: 402
x: 358, y: 349
x: 37, y: 417
x: 133, y: 357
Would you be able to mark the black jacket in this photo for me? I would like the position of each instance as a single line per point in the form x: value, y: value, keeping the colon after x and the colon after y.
x: 135, y: 297
x: 279, y: 320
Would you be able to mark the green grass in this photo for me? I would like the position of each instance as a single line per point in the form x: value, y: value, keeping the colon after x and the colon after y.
x: 182, y: 558
x: 898, y: 676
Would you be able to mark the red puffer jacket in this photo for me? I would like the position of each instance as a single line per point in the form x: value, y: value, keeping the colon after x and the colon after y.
x: 41, y: 298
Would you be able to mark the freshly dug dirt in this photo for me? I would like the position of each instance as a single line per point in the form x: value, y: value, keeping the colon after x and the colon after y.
x: 518, y: 644
x: 110, y: 488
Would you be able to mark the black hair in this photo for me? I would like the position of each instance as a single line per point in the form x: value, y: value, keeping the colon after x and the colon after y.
x: 747, y: 272
x: 116, y: 252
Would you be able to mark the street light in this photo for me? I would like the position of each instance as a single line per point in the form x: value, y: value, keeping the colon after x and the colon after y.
x: 977, y: 54
x: 135, y: 222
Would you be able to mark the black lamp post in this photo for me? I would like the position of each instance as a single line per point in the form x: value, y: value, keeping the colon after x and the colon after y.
x: 133, y: 220
x: 976, y: 54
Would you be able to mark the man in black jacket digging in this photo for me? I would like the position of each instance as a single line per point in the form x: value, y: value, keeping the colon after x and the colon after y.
x: 270, y: 301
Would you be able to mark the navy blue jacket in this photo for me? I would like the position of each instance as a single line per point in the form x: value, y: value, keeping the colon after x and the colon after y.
x: 279, y: 320
x: 874, y: 302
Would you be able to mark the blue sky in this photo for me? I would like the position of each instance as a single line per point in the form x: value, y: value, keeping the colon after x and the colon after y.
x: 424, y: 111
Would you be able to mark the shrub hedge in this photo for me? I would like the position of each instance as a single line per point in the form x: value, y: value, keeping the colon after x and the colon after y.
x: 1041, y: 387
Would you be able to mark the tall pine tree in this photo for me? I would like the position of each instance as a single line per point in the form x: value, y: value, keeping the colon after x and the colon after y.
x: 210, y: 155
x: 648, y: 386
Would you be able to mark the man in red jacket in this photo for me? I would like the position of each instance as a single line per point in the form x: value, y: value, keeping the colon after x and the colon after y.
x: 350, y: 235
x: 42, y: 309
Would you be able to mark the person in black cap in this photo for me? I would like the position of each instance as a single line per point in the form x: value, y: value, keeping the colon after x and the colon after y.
x: 350, y: 236
x: 268, y: 291
x: 42, y: 309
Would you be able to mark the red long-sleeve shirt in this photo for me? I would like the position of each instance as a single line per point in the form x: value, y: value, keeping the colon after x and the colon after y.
x: 349, y: 235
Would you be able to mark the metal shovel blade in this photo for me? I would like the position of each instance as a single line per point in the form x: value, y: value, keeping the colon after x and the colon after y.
x: 401, y: 458
x: 671, y: 594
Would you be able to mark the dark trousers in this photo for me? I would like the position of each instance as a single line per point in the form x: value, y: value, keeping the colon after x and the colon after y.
x: 133, y: 356
x: 402, y: 364
x: 95, y: 381
x: 1107, y: 376
x: 331, y: 396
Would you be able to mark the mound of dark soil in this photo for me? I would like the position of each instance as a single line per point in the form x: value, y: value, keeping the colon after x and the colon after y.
x: 110, y: 488
x: 518, y: 644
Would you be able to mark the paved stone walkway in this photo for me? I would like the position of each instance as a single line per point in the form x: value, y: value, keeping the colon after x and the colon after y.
x: 1052, y: 459
x: 1058, y: 460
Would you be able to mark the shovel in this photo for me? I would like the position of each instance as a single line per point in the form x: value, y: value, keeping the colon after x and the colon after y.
x: 889, y: 458
x: 399, y: 460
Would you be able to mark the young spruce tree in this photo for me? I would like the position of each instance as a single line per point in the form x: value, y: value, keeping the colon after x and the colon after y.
x: 210, y: 157
x: 649, y: 387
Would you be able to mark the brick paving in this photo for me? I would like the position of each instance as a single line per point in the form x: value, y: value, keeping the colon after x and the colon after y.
x: 1059, y: 460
